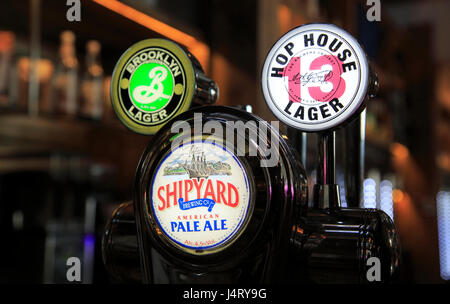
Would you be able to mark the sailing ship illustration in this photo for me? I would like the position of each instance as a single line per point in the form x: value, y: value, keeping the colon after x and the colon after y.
x: 197, y: 166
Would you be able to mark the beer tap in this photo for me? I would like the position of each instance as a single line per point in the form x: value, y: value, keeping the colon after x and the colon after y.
x: 225, y: 220
x: 335, y: 243
x: 331, y: 243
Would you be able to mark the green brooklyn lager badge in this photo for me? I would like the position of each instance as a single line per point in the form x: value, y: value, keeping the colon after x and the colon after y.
x: 156, y: 95
x: 153, y: 81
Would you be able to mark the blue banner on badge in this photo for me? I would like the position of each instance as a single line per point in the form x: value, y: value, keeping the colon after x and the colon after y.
x: 202, y: 202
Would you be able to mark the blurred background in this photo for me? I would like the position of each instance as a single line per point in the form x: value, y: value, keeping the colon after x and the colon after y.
x: 66, y: 161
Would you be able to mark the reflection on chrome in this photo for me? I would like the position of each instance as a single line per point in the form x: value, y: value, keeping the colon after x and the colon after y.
x: 443, y: 213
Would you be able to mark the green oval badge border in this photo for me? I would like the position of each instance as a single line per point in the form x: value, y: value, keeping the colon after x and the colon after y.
x: 190, y: 83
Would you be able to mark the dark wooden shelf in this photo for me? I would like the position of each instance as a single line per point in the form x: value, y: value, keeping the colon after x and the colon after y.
x: 22, y: 136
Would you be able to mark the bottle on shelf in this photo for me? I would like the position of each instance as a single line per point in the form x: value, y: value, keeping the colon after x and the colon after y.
x: 65, y: 82
x: 20, y: 86
x: 91, y: 105
x: 7, y: 50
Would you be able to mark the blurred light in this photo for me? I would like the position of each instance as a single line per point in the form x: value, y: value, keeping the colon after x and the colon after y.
x: 397, y: 196
x: 284, y: 18
x: 443, y: 161
x: 88, y: 258
x: 89, y: 241
x: 442, y: 86
x: 399, y: 151
x: 341, y: 183
x: 7, y: 40
x: 17, y: 220
x: 370, y: 193
x: 443, y: 214
x: 198, y: 48
x: 386, y: 198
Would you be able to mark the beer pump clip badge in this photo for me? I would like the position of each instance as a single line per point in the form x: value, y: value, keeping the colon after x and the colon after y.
x: 200, y: 197
x: 315, y: 77
x: 153, y: 81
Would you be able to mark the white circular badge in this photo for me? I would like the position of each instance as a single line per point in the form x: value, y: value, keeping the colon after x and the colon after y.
x: 315, y: 77
x: 201, y: 196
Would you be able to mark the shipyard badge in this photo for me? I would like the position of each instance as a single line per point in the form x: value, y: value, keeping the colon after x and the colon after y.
x: 200, y: 197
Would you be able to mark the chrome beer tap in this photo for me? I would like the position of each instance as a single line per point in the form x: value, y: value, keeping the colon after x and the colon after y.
x: 316, y: 78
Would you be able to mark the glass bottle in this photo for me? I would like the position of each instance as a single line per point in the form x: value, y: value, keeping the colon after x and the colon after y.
x: 7, y: 50
x: 65, y: 86
x: 91, y: 106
